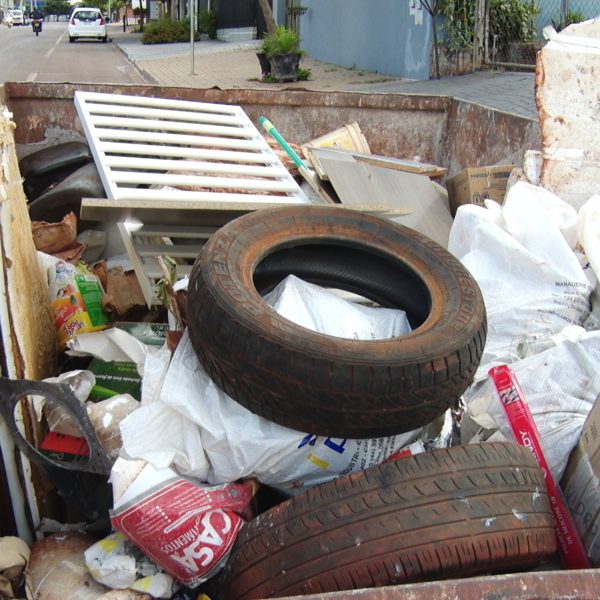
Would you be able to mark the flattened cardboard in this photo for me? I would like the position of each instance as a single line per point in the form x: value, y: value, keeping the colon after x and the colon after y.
x: 474, y: 184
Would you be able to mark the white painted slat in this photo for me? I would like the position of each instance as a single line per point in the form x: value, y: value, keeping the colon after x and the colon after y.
x: 175, y: 231
x: 174, y: 251
x: 176, y: 138
x: 149, y: 195
x: 121, y: 162
x: 153, y: 272
x: 146, y: 281
x: 184, y: 105
x: 134, y: 141
x: 111, y: 148
x: 132, y: 177
x: 154, y: 124
x: 160, y: 113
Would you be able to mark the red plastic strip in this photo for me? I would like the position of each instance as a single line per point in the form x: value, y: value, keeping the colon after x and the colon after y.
x: 570, y: 547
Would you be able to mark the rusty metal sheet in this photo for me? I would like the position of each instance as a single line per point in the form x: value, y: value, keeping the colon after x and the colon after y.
x: 478, y: 136
x: 555, y: 585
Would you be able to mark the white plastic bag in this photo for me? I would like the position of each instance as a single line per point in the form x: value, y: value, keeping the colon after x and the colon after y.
x: 521, y: 256
x: 207, y: 435
x: 560, y: 386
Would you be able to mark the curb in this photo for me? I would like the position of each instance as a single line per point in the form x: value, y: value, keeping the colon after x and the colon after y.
x: 149, y: 79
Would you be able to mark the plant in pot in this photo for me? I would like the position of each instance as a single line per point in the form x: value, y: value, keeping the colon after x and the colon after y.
x: 282, y: 49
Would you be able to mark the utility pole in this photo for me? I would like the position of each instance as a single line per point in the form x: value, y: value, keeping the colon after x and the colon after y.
x: 192, y: 34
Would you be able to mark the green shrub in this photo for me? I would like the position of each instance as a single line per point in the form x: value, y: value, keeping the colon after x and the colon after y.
x: 573, y: 16
x: 166, y: 31
x: 283, y: 41
x: 304, y: 74
x: 512, y: 21
x: 208, y: 23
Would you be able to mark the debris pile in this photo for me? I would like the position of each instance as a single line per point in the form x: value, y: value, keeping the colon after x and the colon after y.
x: 384, y: 377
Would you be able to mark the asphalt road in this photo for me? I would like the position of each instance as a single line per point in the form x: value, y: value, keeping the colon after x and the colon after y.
x: 50, y: 58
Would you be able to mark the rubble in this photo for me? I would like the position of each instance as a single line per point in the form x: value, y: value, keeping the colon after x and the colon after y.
x: 190, y: 467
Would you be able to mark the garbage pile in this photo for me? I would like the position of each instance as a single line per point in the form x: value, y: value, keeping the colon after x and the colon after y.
x: 327, y: 400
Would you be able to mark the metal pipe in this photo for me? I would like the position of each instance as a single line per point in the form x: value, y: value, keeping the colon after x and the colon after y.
x: 192, y: 35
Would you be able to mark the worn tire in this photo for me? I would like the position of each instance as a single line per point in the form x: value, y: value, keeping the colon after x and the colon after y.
x: 322, y: 384
x: 457, y: 512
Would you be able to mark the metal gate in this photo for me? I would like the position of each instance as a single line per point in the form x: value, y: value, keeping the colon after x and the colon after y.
x: 514, y: 27
x: 506, y: 32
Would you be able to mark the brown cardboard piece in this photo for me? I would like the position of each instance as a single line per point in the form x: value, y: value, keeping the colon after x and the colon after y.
x: 581, y: 484
x: 474, y: 184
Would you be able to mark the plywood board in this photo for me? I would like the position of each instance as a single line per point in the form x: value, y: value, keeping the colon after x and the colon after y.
x: 399, y: 164
x: 26, y: 324
x: 28, y: 333
x: 363, y: 184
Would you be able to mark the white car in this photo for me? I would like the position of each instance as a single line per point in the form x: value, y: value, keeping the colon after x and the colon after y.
x: 87, y: 22
x: 17, y: 16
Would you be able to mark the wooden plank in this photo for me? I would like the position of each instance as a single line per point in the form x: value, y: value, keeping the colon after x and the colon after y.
x: 173, y: 250
x: 184, y: 105
x: 399, y: 164
x: 160, y: 113
x: 108, y: 148
x: 193, y: 213
x: 135, y: 124
x: 131, y: 162
x: 175, y: 231
x: 29, y: 341
x: 363, y: 184
x: 409, y: 166
x: 170, y: 195
x: 154, y: 137
x: 205, y: 182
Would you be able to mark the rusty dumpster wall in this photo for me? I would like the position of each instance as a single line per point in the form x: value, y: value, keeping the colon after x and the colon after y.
x: 435, y: 129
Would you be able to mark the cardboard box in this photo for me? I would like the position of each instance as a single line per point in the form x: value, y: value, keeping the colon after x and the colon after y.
x: 474, y: 184
x: 581, y: 484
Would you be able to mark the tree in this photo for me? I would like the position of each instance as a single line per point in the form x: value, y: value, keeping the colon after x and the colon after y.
x: 433, y: 7
x: 268, y: 16
x: 57, y: 7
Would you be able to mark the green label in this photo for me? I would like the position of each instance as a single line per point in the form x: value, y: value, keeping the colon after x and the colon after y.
x: 92, y: 294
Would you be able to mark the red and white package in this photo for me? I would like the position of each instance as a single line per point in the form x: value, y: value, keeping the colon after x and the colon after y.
x: 520, y: 419
x: 186, y: 528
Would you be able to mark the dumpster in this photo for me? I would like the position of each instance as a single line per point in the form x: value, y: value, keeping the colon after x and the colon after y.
x: 438, y: 130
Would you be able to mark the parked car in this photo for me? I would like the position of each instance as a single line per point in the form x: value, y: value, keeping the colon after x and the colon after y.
x: 18, y: 18
x: 87, y: 22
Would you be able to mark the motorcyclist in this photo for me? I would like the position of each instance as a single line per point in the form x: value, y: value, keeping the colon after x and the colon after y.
x: 37, y: 15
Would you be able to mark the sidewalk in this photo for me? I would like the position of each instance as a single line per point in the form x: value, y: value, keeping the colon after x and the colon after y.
x: 234, y: 65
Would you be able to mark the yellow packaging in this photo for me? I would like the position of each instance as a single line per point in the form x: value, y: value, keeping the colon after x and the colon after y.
x: 76, y: 298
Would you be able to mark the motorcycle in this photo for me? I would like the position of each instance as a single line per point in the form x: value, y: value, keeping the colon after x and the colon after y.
x: 36, y: 25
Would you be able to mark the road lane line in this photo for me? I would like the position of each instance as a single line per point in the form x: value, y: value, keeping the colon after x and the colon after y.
x: 49, y: 52
x: 59, y: 40
x: 31, y: 77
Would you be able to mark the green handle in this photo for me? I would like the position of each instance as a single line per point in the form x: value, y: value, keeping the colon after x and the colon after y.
x: 270, y: 129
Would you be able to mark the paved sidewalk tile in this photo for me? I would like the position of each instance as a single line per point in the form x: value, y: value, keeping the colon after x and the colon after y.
x: 234, y: 65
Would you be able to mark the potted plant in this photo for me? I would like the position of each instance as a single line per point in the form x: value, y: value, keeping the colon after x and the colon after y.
x: 282, y: 49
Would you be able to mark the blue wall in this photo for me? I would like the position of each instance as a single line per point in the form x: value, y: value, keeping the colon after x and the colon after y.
x: 374, y: 35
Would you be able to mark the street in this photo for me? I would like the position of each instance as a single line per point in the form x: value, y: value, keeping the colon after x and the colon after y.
x: 50, y: 57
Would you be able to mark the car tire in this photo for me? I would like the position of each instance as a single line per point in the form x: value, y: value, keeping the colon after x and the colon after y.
x: 71, y: 39
x: 455, y: 512
x: 322, y: 384
x: 104, y: 39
